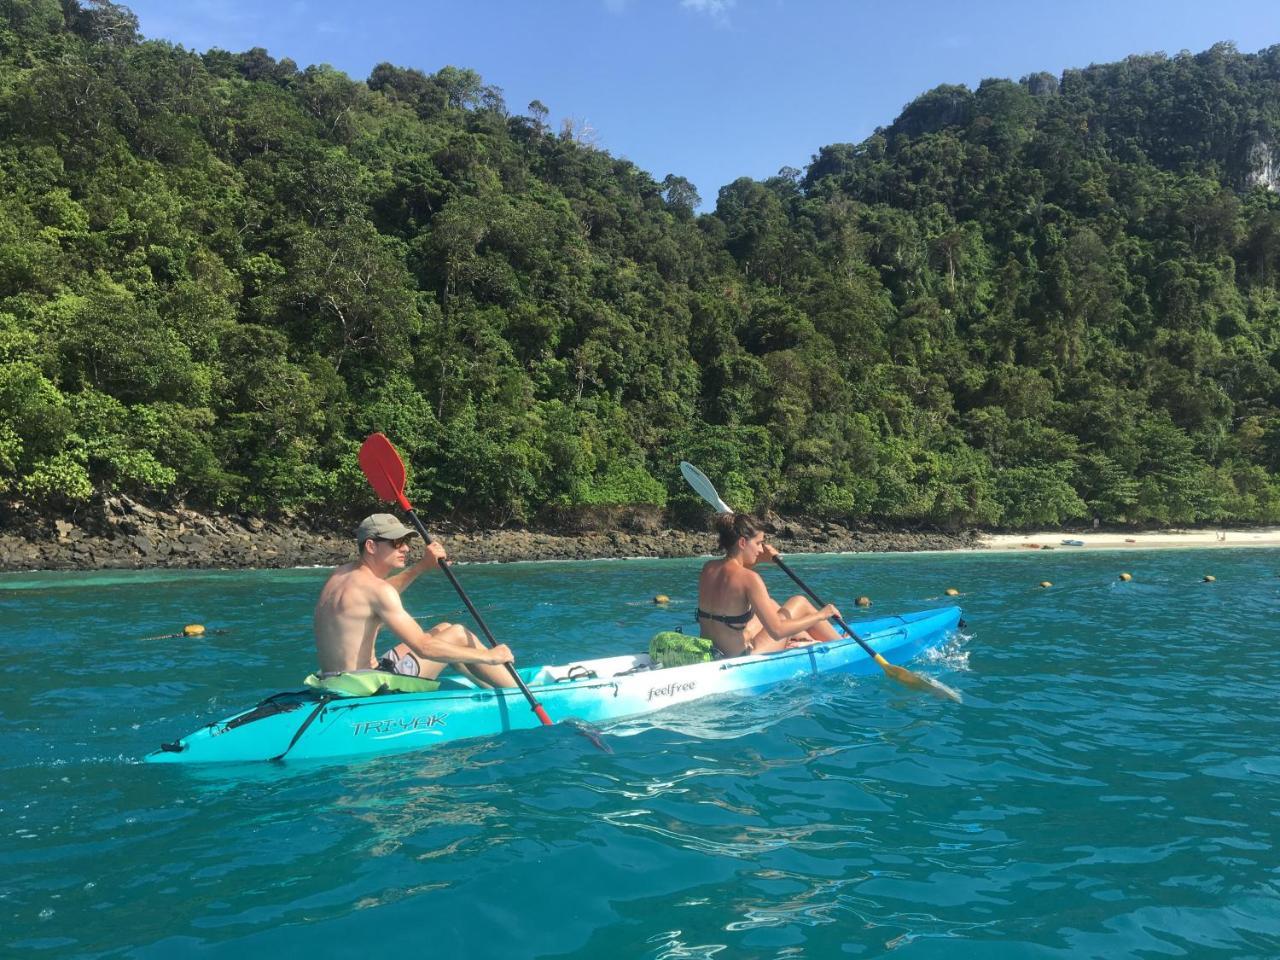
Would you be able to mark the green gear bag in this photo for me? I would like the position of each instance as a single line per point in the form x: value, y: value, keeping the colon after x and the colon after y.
x: 674, y: 649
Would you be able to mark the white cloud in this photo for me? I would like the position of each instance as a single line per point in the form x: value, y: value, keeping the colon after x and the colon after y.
x: 717, y: 9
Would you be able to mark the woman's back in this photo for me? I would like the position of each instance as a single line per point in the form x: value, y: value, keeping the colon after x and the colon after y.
x: 724, y: 611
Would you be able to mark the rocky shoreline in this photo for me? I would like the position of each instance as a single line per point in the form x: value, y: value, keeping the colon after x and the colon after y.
x: 124, y: 534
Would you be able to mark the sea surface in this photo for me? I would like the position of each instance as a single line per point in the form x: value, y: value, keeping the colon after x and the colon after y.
x: 1110, y: 786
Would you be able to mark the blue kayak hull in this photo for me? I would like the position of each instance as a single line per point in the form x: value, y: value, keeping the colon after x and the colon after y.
x: 298, y: 726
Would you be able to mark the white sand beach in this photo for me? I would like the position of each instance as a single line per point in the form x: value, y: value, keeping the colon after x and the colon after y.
x: 1155, y: 539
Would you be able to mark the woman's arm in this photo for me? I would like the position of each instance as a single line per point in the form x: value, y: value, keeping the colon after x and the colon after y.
x: 766, y: 609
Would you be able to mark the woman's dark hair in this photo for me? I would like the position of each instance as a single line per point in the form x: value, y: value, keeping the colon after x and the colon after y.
x: 731, y: 526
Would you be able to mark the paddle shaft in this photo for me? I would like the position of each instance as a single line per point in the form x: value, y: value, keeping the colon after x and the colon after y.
x: 814, y: 597
x: 475, y: 614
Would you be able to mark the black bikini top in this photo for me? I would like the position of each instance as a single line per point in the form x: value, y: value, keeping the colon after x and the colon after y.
x: 735, y: 622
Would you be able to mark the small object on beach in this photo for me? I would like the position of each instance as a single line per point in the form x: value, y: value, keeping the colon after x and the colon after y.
x: 1130, y: 540
x: 952, y: 592
x: 1045, y: 583
x: 193, y: 630
x: 1209, y: 578
x: 1046, y: 547
x: 1073, y: 543
x: 863, y: 601
x: 662, y: 598
x: 1126, y: 577
x: 1032, y: 546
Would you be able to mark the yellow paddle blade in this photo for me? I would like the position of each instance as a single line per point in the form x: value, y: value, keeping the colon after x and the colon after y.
x: 918, y: 681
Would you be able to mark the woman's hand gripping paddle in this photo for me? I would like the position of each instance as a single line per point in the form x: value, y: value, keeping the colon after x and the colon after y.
x: 705, y: 489
x: 385, y: 471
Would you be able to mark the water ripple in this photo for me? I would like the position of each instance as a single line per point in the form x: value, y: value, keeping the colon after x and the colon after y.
x: 1108, y: 788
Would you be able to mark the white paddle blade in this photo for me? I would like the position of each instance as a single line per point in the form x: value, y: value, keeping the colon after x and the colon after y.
x: 703, y: 487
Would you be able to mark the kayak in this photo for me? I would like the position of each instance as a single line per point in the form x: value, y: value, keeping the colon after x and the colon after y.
x: 314, y: 724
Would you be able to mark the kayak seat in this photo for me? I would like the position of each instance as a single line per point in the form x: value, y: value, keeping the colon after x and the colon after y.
x: 674, y: 649
x: 367, y: 683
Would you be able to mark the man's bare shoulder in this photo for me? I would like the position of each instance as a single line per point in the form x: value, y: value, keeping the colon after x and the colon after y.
x: 345, y: 570
x: 356, y: 580
x: 380, y: 593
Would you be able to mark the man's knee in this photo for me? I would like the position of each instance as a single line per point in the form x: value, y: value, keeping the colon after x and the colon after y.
x: 455, y: 633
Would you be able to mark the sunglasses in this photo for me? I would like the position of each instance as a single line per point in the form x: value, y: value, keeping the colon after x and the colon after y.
x: 398, y: 543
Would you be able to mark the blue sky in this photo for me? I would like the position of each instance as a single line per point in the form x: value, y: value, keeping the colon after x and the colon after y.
x: 714, y: 89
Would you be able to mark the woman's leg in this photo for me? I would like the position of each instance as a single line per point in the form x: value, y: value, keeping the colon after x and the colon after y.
x: 799, y: 607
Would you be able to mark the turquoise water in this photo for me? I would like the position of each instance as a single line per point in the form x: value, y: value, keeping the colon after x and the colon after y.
x: 1109, y: 788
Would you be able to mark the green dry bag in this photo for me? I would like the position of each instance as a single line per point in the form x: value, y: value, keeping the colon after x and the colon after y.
x: 673, y: 649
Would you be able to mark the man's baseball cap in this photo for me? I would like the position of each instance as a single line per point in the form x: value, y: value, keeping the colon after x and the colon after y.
x: 382, y: 526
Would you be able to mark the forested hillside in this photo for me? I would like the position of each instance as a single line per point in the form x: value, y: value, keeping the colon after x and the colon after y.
x: 1036, y: 302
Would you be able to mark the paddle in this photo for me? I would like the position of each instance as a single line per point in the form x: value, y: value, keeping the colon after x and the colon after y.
x: 705, y: 489
x: 385, y: 472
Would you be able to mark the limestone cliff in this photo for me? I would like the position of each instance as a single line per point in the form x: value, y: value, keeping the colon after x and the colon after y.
x: 1262, y: 165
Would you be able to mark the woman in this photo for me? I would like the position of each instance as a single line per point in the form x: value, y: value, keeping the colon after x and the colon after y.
x: 735, y: 610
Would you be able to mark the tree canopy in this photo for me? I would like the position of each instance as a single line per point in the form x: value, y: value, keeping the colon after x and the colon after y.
x: 1030, y: 303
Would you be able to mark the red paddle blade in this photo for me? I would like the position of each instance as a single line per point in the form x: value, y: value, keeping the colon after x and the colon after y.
x: 383, y: 468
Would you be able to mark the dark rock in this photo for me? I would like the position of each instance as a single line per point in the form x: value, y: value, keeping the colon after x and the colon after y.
x: 139, y: 510
x: 124, y: 533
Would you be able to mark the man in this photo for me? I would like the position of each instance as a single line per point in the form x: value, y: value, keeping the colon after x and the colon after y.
x: 359, y: 598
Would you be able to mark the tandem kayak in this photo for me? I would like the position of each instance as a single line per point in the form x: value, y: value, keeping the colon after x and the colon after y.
x: 314, y: 724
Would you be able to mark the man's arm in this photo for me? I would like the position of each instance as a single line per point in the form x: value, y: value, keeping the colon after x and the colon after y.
x: 432, y: 554
x: 391, y: 611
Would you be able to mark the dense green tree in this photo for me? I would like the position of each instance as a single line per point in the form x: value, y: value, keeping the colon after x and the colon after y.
x: 1035, y: 302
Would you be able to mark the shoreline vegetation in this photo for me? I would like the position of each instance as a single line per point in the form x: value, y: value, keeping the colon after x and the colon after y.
x: 130, y: 535
x: 1016, y: 307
